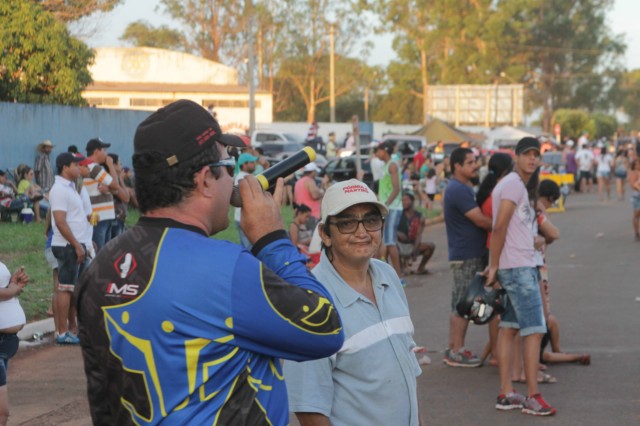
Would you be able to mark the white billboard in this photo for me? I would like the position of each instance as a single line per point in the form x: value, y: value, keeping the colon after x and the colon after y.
x: 483, y: 105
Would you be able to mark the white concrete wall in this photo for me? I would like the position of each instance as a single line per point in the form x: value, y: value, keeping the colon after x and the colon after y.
x: 150, y: 65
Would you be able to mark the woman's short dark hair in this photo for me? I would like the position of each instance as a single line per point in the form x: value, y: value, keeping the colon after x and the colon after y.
x: 302, y: 208
x: 326, y: 249
x: 549, y: 189
x: 169, y: 186
x: 23, y: 171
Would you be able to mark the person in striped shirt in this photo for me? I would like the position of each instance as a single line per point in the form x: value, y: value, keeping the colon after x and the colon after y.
x: 102, y: 185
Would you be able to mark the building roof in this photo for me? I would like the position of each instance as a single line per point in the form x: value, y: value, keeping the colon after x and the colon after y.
x: 106, y: 86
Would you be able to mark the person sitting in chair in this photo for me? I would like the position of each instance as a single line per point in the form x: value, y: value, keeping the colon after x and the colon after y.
x: 410, y: 244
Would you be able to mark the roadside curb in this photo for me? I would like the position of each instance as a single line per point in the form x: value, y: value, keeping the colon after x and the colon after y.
x: 32, y: 333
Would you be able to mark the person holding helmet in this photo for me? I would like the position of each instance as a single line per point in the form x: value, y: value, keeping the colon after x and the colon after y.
x: 377, y: 362
x: 512, y: 267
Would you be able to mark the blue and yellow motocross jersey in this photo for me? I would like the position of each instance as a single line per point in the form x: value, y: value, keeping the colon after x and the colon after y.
x: 179, y: 328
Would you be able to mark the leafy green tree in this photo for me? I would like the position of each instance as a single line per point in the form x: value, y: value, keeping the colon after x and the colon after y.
x: 563, y: 51
x: 297, y: 80
x: 304, y: 45
x: 141, y: 33
x: 210, y: 26
x: 40, y: 61
x: 443, y: 42
x: 571, y: 55
x: 631, y: 101
x: 72, y: 10
x: 605, y: 125
x: 573, y: 122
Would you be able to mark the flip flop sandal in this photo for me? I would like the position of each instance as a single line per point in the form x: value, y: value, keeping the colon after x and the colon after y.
x: 547, y: 379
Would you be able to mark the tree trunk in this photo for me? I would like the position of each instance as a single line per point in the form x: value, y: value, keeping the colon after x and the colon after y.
x: 311, y: 114
x: 425, y: 88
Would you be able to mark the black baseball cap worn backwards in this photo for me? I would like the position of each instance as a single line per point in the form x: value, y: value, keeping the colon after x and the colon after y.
x: 96, y: 143
x: 66, y: 158
x: 526, y: 144
x: 179, y: 131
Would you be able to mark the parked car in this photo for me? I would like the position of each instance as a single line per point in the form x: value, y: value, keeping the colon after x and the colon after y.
x: 366, y: 142
x: 408, y: 145
x: 278, y: 149
x: 341, y: 169
x: 260, y: 137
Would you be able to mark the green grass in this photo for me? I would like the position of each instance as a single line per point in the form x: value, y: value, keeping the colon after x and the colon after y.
x: 23, y: 245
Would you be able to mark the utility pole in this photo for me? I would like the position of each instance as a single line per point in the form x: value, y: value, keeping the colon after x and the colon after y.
x: 366, y: 103
x: 332, y: 75
x: 251, y: 67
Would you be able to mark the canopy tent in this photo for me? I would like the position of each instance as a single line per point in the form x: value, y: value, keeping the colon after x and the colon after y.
x: 437, y: 130
x: 506, y: 136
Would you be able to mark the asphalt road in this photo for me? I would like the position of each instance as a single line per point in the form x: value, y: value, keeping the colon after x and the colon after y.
x: 595, y: 282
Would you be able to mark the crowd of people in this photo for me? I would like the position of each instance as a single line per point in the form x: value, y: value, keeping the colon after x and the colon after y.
x: 185, y: 329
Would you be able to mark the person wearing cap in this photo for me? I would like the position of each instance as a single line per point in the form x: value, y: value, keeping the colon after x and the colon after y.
x: 306, y: 191
x: 390, y: 194
x: 102, y: 184
x: 513, y: 267
x: 69, y: 223
x: 247, y: 165
x: 180, y: 328
x: 372, y: 378
x: 42, y: 168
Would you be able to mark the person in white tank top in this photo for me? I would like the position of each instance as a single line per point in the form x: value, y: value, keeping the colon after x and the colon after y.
x: 12, y: 319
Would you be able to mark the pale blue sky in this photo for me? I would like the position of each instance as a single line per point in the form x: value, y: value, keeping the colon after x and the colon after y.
x: 623, y: 19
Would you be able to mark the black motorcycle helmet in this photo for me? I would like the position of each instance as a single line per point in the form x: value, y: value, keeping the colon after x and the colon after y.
x: 480, y: 304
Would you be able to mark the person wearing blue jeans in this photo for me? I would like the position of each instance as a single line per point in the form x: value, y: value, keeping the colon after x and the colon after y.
x: 512, y: 266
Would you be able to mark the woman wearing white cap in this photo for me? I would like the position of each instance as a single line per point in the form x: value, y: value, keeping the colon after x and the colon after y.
x: 376, y: 362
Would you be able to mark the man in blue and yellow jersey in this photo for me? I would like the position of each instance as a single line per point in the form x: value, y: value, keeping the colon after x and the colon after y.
x: 179, y: 328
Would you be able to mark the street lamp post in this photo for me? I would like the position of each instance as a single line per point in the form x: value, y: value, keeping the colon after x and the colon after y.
x: 495, y: 118
x: 251, y: 69
x: 332, y: 74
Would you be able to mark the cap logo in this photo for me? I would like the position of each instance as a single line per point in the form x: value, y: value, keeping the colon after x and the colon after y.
x: 172, y: 160
x: 205, y: 136
x: 355, y: 188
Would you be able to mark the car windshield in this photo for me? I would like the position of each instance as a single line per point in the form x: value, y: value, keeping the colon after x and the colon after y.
x: 292, y: 137
x: 274, y: 148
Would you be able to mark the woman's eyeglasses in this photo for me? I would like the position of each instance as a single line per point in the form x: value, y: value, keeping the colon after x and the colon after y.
x: 372, y: 222
x: 228, y: 163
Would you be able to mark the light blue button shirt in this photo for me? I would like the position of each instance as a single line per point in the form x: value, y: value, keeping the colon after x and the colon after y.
x: 372, y: 378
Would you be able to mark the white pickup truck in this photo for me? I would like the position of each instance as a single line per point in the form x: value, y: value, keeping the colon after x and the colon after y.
x: 260, y: 137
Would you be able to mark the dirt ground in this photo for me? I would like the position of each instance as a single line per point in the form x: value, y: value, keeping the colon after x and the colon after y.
x: 47, y: 387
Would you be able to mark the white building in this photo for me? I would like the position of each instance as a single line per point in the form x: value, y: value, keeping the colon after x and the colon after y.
x: 147, y: 78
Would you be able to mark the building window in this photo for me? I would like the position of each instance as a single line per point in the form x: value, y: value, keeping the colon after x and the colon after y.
x: 114, y: 102
x: 149, y: 102
x: 228, y: 103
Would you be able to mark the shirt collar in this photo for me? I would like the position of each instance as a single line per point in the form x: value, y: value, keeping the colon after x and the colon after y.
x: 165, y: 222
x: 65, y: 181
x: 344, y: 293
